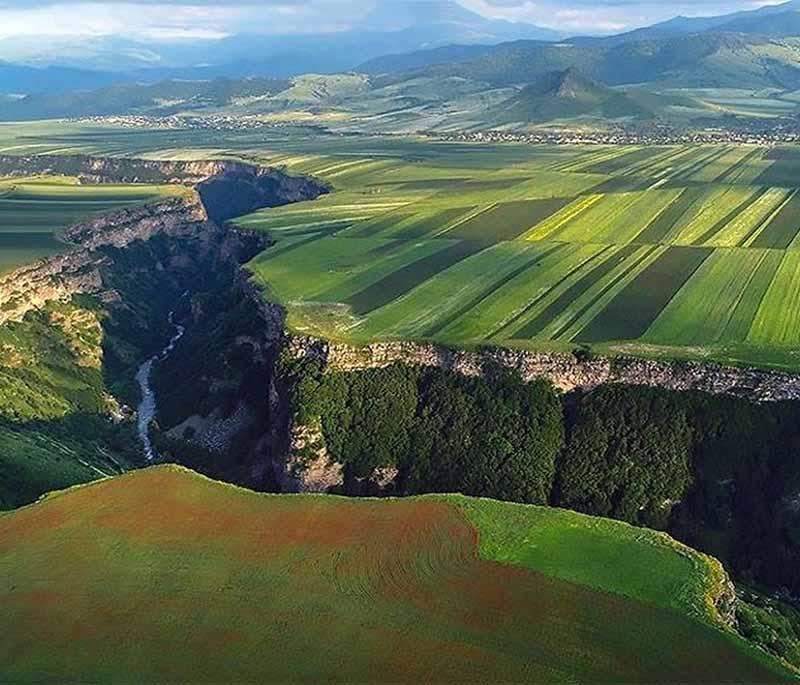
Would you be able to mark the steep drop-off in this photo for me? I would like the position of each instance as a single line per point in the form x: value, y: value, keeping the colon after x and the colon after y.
x: 232, y: 400
x: 182, y: 579
x: 107, y: 300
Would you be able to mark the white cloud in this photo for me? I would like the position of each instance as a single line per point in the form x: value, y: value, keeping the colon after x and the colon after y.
x: 192, y: 19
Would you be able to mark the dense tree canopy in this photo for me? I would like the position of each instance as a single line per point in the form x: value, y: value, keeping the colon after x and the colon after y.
x: 496, y: 438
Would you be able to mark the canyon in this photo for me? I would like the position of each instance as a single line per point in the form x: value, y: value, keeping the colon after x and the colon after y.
x: 223, y: 401
x: 183, y: 245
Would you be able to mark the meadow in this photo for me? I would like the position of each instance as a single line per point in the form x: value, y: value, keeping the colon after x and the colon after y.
x: 163, y: 575
x: 34, y: 209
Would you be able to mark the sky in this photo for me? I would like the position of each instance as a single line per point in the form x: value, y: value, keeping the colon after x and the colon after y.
x: 189, y: 19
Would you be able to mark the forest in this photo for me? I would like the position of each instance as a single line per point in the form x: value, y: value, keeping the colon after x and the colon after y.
x: 675, y: 461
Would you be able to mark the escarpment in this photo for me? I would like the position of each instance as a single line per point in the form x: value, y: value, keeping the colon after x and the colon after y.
x: 88, y: 265
x: 222, y: 190
x: 90, y: 169
x: 227, y: 188
x: 567, y: 372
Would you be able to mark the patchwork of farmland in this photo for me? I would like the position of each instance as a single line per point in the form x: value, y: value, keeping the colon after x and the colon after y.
x: 164, y: 576
x: 34, y: 210
x: 687, y: 251
x: 678, y: 251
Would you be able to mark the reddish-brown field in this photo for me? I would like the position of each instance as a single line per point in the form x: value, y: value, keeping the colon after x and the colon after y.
x: 163, y: 576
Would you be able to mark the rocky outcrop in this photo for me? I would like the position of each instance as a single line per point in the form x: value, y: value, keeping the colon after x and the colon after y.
x: 227, y: 188
x: 85, y: 269
x: 223, y: 189
x: 177, y: 217
x: 565, y: 371
x: 115, y: 169
x: 726, y: 601
x: 309, y: 467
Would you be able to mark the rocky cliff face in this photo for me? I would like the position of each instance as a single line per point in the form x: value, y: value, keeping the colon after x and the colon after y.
x: 117, y: 169
x: 87, y: 267
x: 141, y: 264
x: 565, y: 371
x: 223, y: 190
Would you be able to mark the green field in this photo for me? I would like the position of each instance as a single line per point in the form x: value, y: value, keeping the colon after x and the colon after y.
x: 34, y: 210
x: 676, y: 251
x: 683, y: 251
x: 162, y: 575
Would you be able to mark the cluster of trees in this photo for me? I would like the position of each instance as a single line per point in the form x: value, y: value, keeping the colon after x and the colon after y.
x: 720, y: 473
x: 444, y: 433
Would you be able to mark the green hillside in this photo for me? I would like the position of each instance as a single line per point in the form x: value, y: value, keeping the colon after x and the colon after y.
x: 567, y: 95
x: 162, y: 575
x: 712, y: 59
x: 468, y: 88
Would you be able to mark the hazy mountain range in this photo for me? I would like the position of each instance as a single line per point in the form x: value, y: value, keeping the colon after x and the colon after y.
x: 467, y: 76
x: 395, y: 26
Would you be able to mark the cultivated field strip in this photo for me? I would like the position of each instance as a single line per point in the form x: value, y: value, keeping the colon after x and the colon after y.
x: 690, y: 318
x: 693, y: 249
x: 462, y: 284
x: 508, y: 303
x: 777, y: 321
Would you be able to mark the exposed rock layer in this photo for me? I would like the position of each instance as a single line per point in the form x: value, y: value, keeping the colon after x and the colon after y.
x: 116, y: 169
x: 565, y: 371
x: 224, y: 189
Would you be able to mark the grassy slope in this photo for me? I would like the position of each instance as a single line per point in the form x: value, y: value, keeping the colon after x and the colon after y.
x: 53, y: 387
x: 164, y: 575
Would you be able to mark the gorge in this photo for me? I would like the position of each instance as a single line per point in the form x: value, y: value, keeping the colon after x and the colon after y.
x: 242, y: 399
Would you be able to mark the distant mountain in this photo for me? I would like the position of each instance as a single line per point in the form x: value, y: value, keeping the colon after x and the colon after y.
x: 708, y: 60
x: 771, y: 20
x: 394, y: 15
x: 160, y: 99
x: 423, y: 58
x: 23, y: 79
x: 396, y: 26
x: 565, y: 95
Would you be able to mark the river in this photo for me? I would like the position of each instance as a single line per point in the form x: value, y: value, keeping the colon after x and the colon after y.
x: 148, y: 407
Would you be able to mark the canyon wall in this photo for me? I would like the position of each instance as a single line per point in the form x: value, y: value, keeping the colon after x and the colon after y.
x: 223, y: 189
x: 565, y: 371
x: 116, y: 169
x: 86, y: 268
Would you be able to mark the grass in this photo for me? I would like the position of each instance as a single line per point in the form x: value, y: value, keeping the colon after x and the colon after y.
x: 690, y: 318
x: 162, y: 575
x: 630, y: 314
x: 691, y: 202
x: 777, y: 320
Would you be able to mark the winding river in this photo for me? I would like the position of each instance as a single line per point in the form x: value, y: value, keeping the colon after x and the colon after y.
x: 147, y: 407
